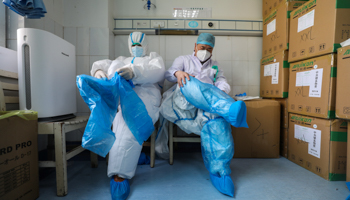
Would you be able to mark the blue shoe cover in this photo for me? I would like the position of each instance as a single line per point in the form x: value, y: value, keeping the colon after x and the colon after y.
x: 348, y: 198
x: 223, y: 184
x: 144, y: 159
x: 120, y: 190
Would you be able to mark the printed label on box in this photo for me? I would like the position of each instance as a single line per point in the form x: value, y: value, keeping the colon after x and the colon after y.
x: 312, y: 78
x: 275, y: 71
x: 14, y: 178
x: 271, y: 27
x: 311, y: 136
x: 267, y: 70
x: 306, y: 21
x: 303, y: 79
x: 272, y: 70
x: 316, y: 84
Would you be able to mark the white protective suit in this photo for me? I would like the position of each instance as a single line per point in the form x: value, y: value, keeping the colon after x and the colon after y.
x: 203, y: 72
x: 148, y: 78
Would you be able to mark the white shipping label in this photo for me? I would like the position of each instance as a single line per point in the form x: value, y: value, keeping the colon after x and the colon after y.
x: 299, y: 79
x: 316, y: 84
x: 271, y: 27
x: 303, y: 79
x: 301, y: 133
x: 267, y: 70
x: 307, y: 78
x: 275, y: 71
x: 306, y: 21
x: 311, y: 136
x: 315, y: 143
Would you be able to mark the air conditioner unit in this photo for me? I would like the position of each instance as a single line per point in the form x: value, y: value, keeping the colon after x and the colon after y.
x: 46, y: 74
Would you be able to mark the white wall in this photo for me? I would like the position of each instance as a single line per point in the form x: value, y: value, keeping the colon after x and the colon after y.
x: 2, y: 25
x: 88, y: 27
x: 52, y: 22
x: 239, y: 57
x: 85, y: 13
x: 111, y: 14
x: 54, y: 10
x: 14, y: 22
x: 221, y: 9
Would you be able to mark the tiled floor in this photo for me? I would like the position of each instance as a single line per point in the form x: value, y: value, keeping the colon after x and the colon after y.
x: 261, y: 179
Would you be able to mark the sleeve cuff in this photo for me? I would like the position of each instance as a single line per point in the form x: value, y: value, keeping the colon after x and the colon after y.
x: 174, y: 72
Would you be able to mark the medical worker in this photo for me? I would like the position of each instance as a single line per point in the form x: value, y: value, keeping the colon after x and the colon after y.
x: 147, y: 74
x: 211, y: 127
x: 199, y: 64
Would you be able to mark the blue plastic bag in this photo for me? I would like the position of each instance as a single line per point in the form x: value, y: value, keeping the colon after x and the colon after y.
x: 217, y: 146
x: 144, y: 159
x: 32, y: 9
x: 102, y: 96
x: 348, y: 185
x: 216, y: 138
x: 211, y: 99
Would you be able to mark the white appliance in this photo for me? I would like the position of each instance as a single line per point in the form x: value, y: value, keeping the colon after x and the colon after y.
x: 46, y: 74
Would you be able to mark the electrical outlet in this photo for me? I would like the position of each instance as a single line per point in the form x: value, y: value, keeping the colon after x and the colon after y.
x: 210, y: 24
x: 158, y: 24
x: 141, y: 24
x: 176, y: 24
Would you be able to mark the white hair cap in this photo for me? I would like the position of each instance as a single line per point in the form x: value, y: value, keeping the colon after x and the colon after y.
x: 140, y: 38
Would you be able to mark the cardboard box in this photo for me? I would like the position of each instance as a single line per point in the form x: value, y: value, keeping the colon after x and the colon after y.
x: 274, y: 75
x: 19, y: 172
x: 342, y: 105
x: 317, y: 28
x: 319, y: 145
x: 348, y: 157
x: 312, y: 87
x: 284, y: 142
x: 269, y: 5
x: 276, y: 28
x: 284, y: 112
x: 262, y: 138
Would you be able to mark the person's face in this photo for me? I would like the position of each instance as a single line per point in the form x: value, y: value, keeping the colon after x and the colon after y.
x: 198, y: 47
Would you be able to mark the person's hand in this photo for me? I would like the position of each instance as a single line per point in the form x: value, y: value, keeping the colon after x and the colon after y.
x: 181, y: 76
x: 126, y: 72
x: 100, y: 74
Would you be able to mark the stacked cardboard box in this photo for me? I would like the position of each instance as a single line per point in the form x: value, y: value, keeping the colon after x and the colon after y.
x: 284, y: 127
x: 276, y: 28
x: 316, y: 139
x: 274, y: 66
x: 342, y: 106
x: 318, y: 145
x: 348, y: 157
x: 269, y: 5
x: 318, y: 27
x: 274, y: 75
x: 19, y: 171
x: 262, y: 138
x: 312, y: 87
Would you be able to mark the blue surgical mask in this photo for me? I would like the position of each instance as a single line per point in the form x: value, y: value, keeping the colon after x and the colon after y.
x: 137, y: 51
